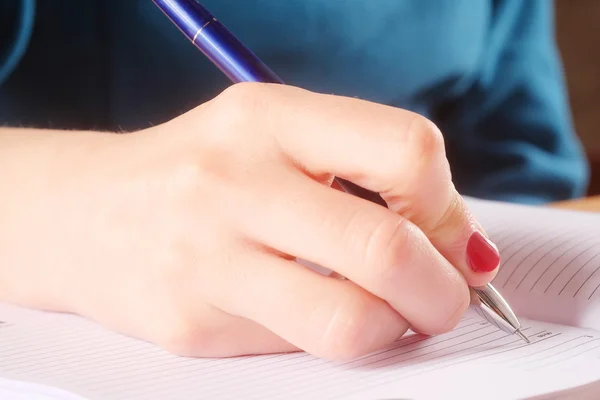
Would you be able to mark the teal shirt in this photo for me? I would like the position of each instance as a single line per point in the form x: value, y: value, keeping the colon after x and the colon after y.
x: 487, y: 72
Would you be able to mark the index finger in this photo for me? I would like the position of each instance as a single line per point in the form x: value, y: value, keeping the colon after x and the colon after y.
x: 387, y: 150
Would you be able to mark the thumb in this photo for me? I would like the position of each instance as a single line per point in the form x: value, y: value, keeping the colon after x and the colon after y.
x: 455, y: 232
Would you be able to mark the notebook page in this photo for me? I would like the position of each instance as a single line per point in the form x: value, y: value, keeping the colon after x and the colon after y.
x: 16, y: 390
x: 84, y: 359
x: 550, y: 267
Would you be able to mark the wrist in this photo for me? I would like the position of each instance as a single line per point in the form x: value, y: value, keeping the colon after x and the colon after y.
x: 42, y: 179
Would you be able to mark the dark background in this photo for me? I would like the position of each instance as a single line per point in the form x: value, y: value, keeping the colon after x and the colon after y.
x: 578, y: 35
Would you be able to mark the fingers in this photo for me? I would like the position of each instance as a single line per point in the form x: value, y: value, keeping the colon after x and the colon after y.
x: 324, y: 316
x: 384, y: 149
x: 372, y: 246
x: 460, y: 238
x: 211, y: 332
x: 175, y: 316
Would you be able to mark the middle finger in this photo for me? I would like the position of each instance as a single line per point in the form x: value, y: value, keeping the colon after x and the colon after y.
x: 377, y: 249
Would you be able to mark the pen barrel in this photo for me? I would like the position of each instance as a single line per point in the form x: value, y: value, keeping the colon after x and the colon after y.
x: 216, y: 42
x: 187, y: 15
x: 234, y: 59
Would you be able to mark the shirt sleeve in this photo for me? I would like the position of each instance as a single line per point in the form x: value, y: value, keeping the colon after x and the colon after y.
x: 511, y: 138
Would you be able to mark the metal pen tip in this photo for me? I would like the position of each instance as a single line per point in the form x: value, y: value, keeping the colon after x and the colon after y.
x: 522, y: 336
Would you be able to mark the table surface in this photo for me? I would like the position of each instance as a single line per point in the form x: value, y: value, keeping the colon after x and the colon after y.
x: 585, y: 204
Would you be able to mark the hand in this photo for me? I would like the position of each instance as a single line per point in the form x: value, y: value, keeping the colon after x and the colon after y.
x: 187, y: 234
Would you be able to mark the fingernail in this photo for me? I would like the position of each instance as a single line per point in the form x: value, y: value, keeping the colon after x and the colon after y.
x: 482, y: 254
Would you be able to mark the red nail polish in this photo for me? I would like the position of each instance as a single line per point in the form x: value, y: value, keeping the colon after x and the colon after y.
x: 482, y: 254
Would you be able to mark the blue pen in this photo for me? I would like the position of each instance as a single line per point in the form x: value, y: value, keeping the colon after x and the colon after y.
x: 217, y: 43
x: 239, y: 64
x: 233, y: 58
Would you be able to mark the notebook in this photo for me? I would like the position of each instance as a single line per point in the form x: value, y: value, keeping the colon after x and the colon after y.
x: 550, y: 274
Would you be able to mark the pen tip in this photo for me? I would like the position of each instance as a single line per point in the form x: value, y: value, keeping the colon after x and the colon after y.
x: 518, y: 332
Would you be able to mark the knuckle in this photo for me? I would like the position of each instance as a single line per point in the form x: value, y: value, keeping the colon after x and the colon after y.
x: 227, y: 116
x: 426, y: 139
x: 186, y: 175
x: 388, y: 245
x: 237, y: 92
x: 458, y: 306
x: 421, y: 145
x: 187, y: 336
x: 346, y: 337
x: 238, y: 121
x: 236, y: 104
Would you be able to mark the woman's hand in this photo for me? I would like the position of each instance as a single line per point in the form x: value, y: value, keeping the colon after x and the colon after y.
x: 187, y: 234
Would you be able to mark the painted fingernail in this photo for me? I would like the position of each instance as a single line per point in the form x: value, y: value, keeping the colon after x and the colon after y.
x: 482, y: 254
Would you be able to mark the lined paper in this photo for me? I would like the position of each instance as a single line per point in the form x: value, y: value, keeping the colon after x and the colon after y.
x: 550, y: 272
x: 82, y: 358
x: 550, y: 267
x: 16, y: 390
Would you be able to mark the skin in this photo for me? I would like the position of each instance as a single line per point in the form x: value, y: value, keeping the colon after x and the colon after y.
x: 187, y: 234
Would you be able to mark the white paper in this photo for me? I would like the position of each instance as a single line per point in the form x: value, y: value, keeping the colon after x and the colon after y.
x: 84, y: 359
x: 550, y: 272
x: 550, y: 267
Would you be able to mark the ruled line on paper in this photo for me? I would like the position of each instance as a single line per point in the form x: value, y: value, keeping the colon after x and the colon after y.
x: 199, y: 370
x: 474, y: 339
x: 424, y: 371
x: 334, y: 379
x: 79, y: 357
x: 410, y: 356
x: 397, y: 377
x: 34, y: 336
x: 395, y: 348
x: 522, y: 247
x: 331, y: 377
x: 500, y: 235
x: 535, y: 248
x: 523, y: 261
x: 586, y: 281
x: 562, y: 351
x: 262, y: 372
x: 528, y: 355
x: 564, y: 358
x: 390, y: 376
x: 91, y: 355
x: 544, y: 259
x: 377, y: 356
x: 534, y: 231
x: 545, y: 254
x: 381, y: 377
x: 569, y: 264
x: 514, y: 342
x: 550, y: 265
x: 270, y: 371
x: 578, y: 271
x: 306, y: 357
x: 428, y: 369
x: 512, y: 238
x: 215, y: 371
x: 504, y: 249
x: 595, y: 290
x: 589, y: 266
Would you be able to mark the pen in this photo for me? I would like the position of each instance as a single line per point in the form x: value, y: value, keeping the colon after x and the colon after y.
x: 239, y: 64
